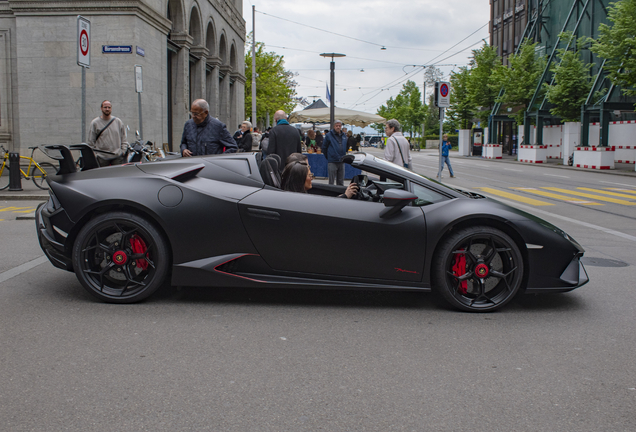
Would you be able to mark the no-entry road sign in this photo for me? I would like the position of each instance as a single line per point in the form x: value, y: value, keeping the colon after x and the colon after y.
x: 83, y: 41
x: 442, y: 95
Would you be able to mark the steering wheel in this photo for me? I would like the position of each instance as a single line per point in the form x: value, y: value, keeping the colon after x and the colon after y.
x: 363, y: 191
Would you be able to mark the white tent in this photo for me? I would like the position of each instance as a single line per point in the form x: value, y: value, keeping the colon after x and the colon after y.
x: 321, y: 115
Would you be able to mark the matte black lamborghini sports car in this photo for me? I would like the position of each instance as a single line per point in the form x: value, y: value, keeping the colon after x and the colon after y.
x: 223, y: 221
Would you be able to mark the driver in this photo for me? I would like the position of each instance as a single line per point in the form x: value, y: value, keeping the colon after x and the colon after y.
x: 297, y: 177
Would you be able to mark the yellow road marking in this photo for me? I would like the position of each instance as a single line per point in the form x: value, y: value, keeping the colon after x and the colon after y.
x: 555, y: 196
x: 629, y: 191
x: 13, y: 209
x: 25, y: 211
x: 587, y: 195
x: 608, y: 193
x: 514, y: 197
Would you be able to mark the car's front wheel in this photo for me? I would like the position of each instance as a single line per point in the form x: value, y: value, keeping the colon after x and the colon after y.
x: 120, y: 257
x: 478, y: 269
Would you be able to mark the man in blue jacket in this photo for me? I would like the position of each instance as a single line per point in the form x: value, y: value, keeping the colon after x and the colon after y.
x: 334, y: 148
x: 203, y: 134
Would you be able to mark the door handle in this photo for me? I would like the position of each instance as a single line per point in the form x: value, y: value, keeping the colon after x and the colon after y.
x: 265, y: 214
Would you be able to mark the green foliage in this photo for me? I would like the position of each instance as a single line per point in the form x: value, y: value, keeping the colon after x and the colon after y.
x: 431, y: 121
x: 520, y: 78
x: 407, y: 108
x: 571, y: 82
x: 275, y: 87
x: 483, y: 86
x: 461, y: 112
x: 617, y: 44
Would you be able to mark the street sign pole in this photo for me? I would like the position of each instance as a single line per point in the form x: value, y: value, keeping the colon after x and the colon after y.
x: 442, y: 100
x: 84, y: 61
x: 139, y: 90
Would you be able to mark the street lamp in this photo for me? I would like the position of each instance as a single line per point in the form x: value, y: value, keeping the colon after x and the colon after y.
x: 332, y: 67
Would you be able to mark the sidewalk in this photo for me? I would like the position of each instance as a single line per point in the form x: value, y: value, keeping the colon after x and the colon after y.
x: 623, y: 169
x: 29, y: 192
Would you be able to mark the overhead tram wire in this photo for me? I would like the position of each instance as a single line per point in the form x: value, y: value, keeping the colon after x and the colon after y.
x: 431, y: 60
x: 344, y: 36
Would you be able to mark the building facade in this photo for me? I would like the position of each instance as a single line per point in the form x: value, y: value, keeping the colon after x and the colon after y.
x: 508, y: 19
x: 188, y: 49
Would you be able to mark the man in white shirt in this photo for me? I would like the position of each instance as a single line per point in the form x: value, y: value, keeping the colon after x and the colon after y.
x: 107, y: 133
x: 397, y: 149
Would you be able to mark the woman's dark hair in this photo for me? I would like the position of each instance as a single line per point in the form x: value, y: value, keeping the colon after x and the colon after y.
x: 294, y: 176
x: 296, y: 157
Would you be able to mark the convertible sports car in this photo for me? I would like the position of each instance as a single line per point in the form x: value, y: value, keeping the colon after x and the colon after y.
x: 223, y: 221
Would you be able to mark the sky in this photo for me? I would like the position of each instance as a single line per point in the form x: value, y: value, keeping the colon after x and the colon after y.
x: 414, y: 32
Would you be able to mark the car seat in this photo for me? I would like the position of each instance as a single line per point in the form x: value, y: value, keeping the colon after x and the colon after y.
x: 269, y: 171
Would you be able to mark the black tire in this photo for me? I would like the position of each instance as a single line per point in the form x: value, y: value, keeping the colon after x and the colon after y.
x: 467, y: 253
x: 5, y: 177
x: 120, y: 258
x: 39, y: 179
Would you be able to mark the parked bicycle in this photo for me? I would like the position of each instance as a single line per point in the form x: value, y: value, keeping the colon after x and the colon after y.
x: 34, y: 171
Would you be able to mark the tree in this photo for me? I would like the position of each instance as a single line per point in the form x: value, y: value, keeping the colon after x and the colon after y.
x: 275, y: 87
x: 617, y: 45
x: 571, y: 82
x: 482, y: 85
x: 432, y: 117
x: 461, y: 111
x: 520, y: 78
x: 407, y: 108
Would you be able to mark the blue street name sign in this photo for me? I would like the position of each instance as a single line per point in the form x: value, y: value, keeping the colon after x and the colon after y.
x: 117, y: 49
x: 141, y: 51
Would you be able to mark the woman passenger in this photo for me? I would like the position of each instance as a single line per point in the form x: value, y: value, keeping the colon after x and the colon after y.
x: 297, y: 177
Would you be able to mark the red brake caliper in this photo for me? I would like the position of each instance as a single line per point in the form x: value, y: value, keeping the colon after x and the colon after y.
x: 459, y: 269
x: 138, y: 246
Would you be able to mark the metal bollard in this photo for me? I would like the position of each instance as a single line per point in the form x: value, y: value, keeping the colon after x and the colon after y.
x: 15, y: 183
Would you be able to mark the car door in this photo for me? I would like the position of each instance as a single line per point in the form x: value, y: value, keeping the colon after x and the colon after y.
x: 311, y: 234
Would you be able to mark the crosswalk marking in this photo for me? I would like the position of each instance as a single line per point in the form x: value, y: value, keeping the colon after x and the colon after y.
x: 514, y: 197
x: 587, y: 195
x: 629, y: 191
x: 555, y: 196
x: 622, y: 195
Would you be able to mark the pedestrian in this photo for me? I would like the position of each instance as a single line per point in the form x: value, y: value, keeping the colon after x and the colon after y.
x: 107, y: 133
x: 203, y: 134
x: 244, y: 138
x: 397, y: 147
x: 446, y: 146
x: 352, y: 144
x: 319, y: 140
x: 335, y: 147
x: 284, y: 139
x: 310, y: 141
x: 264, y: 144
x: 256, y: 138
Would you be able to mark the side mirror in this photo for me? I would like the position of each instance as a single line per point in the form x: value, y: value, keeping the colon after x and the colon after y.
x: 395, y: 200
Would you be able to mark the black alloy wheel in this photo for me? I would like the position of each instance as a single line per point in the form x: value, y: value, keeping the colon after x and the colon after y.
x: 478, y: 269
x: 39, y: 177
x: 120, y: 258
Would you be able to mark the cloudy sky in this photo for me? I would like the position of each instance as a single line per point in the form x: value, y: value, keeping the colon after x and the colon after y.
x: 414, y: 32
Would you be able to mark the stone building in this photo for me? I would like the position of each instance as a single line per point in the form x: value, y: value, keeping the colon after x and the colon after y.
x: 188, y: 49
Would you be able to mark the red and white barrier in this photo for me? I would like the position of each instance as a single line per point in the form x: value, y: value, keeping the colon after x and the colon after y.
x: 554, y: 151
x: 491, y: 151
x: 625, y: 154
x: 533, y: 153
x: 594, y: 157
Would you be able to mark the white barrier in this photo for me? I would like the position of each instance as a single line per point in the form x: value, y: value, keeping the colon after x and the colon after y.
x: 491, y: 151
x: 594, y: 157
x: 625, y: 154
x: 464, y: 142
x: 533, y: 153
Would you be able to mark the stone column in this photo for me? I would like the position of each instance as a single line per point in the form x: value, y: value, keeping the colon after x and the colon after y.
x: 238, y: 114
x: 199, y: 81
x: 180, y: 85
x: 224, y: 96
x: 212, y: 85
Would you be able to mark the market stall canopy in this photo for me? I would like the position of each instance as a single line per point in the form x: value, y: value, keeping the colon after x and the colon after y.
x: 321, y: 115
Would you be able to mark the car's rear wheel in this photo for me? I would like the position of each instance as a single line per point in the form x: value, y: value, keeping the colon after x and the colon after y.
x: 478, y: 269
x: 120, y: 257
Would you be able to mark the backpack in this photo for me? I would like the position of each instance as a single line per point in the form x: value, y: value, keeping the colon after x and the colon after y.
x: 265, y: 143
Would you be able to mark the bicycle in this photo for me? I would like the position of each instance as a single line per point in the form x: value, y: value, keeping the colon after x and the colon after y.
x: 38, y: 171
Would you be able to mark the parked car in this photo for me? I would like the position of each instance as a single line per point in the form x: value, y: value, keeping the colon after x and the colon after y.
x: 223, y: 221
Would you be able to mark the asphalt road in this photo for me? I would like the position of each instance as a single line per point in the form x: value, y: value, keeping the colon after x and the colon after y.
x: 283, y: 360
